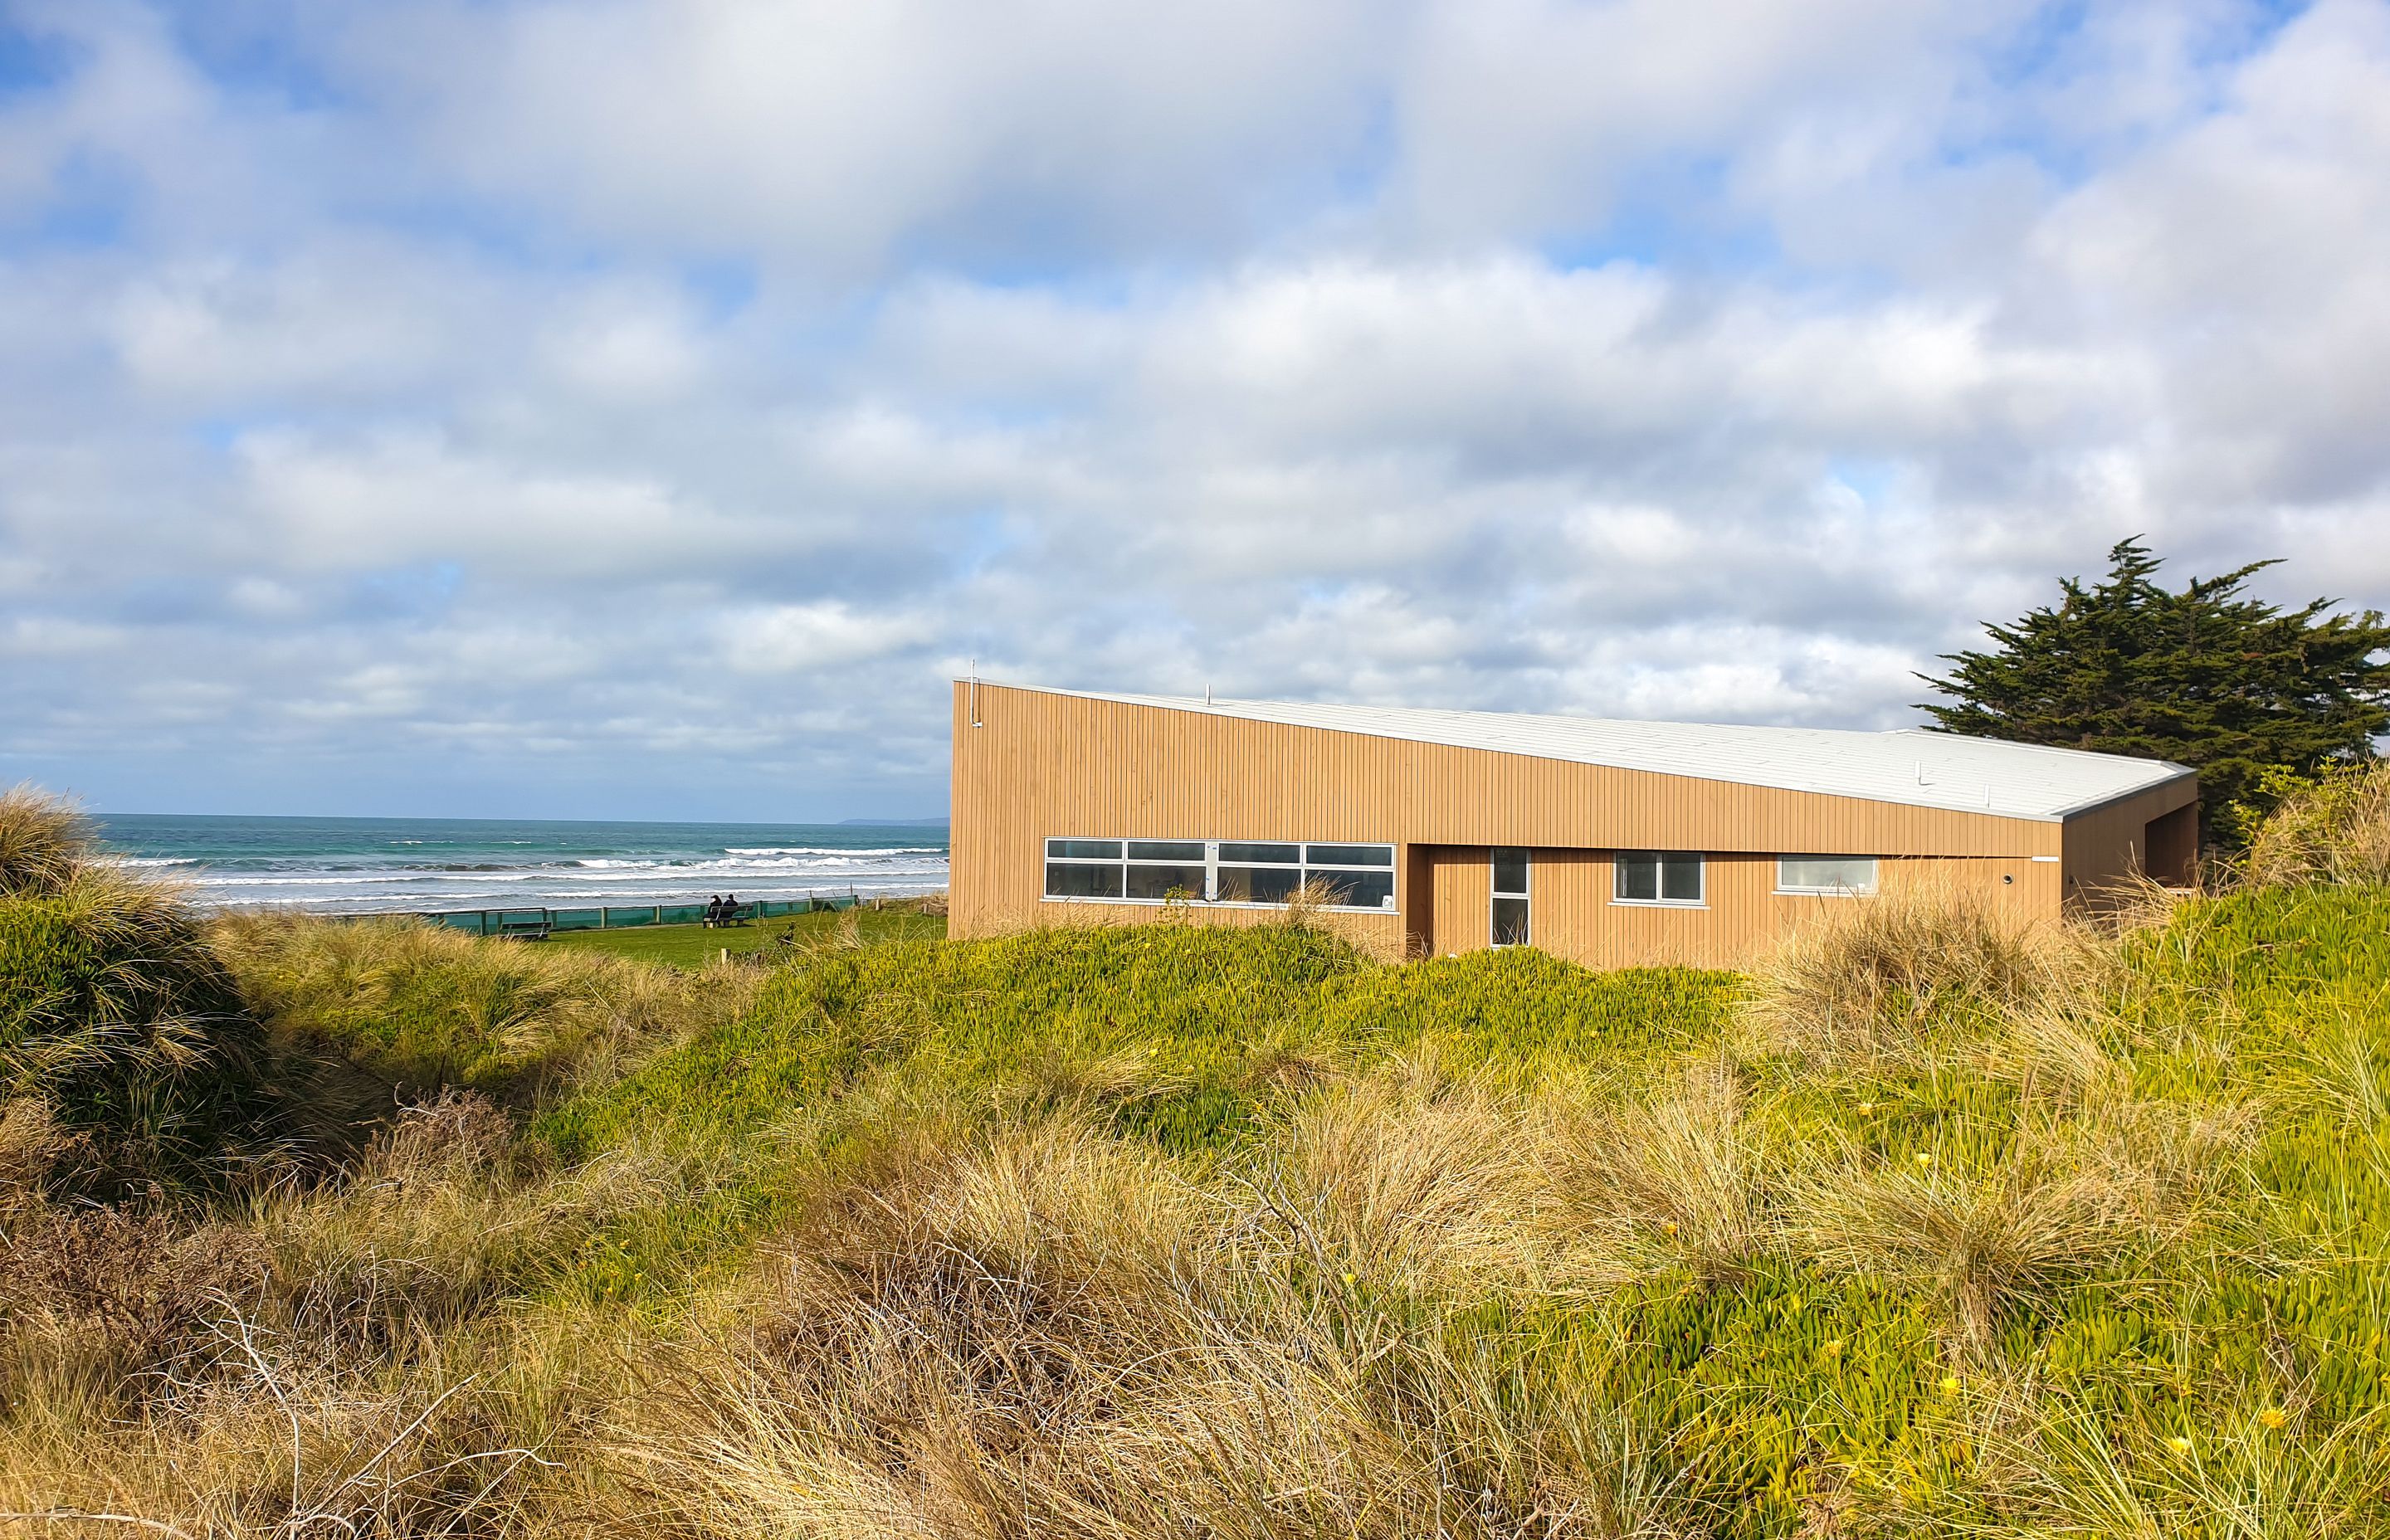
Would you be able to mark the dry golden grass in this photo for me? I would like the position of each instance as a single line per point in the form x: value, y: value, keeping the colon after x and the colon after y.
x: 352, y: 1356
x: 2252, y: 1466
x: 1876, y: 978
x: 1413, y: 1183
x: 33, y: 1147
x: 2334, y: 831
x: 248, y: 1442
x: 45, y: 841
x: 422, y: 1004
x: 1671, y: 1178
x: 1988, y: 1231
x: 1043, y: 1331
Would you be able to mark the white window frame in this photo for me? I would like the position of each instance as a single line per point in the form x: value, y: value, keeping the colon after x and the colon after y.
x: 1304, y: 869
x: 1701, y: 869
x: 1526, y: 895
x: 1875, y: 877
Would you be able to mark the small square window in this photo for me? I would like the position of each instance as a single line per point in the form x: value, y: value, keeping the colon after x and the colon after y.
x: 1657, y: 877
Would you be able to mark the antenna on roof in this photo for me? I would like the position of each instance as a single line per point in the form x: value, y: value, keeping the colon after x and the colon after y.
x: 974, y: 692
x: 1207, y: 692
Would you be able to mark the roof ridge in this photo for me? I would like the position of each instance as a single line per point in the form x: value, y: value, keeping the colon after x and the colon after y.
x: 1998, y: 777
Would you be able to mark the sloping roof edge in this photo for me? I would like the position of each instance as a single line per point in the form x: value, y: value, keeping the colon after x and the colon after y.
x: 1992, y: 777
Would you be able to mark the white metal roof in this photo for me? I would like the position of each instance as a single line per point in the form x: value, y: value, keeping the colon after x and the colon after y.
x: 1910, y: 765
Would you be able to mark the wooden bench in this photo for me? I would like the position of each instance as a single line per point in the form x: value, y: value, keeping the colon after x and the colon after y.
x: 526, y: 925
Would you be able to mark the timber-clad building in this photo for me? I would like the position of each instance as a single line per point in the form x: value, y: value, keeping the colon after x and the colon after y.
x: 1439, y: 831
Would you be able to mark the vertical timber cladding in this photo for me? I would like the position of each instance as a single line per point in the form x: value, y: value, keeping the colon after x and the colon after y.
x: 1041, y: 765
x: 2109, y: 845
x: 1572, y: 911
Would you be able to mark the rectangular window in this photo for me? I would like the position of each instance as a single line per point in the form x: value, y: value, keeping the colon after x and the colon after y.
x: 1082, y: 880
x: 1657, y: 877
x: 1349, y: 855
x: 1219, y: 871
x: 1510, y: 896
x: 1156, y: 884
x: 1257, y: 884
x: 1353, y: 890
x: 1844, y: 876
x: 1354, y: 877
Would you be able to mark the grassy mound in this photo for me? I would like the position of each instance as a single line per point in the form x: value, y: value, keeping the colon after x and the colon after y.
x: 422, y: 1008
x: 123, y: 1041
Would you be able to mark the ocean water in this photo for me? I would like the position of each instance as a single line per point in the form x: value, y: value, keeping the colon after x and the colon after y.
x: 376, y: 864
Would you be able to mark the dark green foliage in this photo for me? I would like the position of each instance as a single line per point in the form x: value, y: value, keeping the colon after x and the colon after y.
x: 116, y: 1017
x: 2205, y: 676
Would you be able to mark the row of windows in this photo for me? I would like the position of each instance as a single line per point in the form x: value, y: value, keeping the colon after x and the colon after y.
x: 1678, y: 877
x: 1362, y: 876
x: 1669, y: 877
x: 1220, y: 871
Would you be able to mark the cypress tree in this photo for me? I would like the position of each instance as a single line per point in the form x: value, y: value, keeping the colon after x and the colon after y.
x: 2240, y: 690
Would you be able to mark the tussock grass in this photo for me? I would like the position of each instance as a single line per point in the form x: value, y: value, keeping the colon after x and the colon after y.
x: 1053, y: 1333
x: 120, y: 1030
x: 44, y: 843
x: 1882, y: 977
x: 1674, y: 1177
x: 2335, y: 831
x: 264, y: 1446
x: 2252, y: 1465
x: 421, y: 1006
x: 1985, y: 1232
x: 1417, y: 1184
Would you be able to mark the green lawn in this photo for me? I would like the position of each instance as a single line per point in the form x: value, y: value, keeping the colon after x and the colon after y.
x: 689, y: 945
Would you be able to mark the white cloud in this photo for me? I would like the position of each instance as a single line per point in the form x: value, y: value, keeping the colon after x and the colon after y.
x: 823, y: 636
x: 592, y: 386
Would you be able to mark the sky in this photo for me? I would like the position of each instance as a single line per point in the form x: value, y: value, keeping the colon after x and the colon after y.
x: 642, y: 408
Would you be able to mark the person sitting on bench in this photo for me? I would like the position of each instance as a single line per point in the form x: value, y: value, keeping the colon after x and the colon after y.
x: 730, y: 908
x: 713, y: 911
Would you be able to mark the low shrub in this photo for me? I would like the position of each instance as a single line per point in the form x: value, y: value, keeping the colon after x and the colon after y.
x: 118, y: 1019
